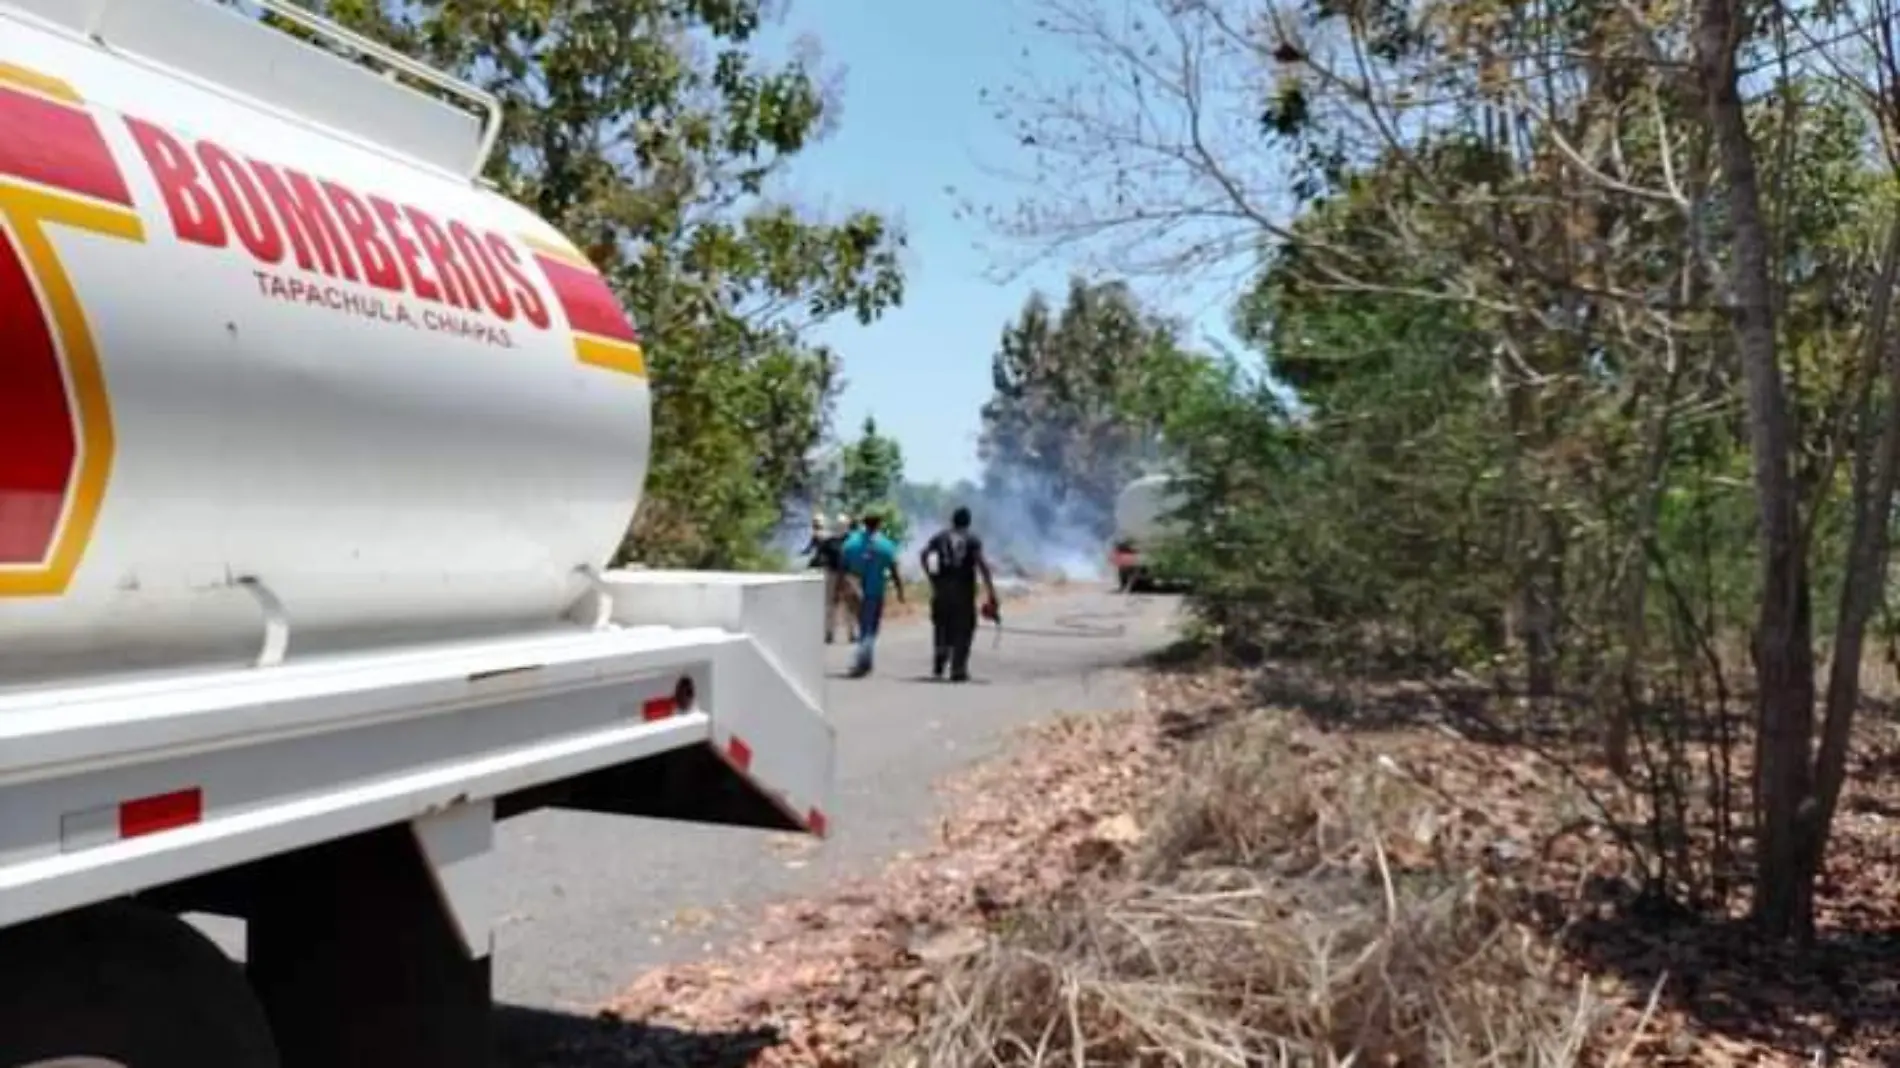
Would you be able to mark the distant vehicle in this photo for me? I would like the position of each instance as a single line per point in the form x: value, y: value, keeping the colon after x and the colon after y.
x: 1141, y: 525
x: 313, y: 451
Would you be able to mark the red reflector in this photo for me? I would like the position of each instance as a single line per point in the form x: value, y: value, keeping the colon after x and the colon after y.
x: 657, y: 708
x: 161, y: 812
x: 740, y: 753
x: 815, y: 822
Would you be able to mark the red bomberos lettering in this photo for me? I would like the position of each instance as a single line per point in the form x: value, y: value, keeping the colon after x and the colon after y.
x: 217, y: 198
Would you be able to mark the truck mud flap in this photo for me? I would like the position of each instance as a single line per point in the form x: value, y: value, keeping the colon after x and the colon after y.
x: 768, y: 762
x: 766, y: 766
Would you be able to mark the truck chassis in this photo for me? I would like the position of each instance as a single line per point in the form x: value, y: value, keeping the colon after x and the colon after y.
x: 344, y: 807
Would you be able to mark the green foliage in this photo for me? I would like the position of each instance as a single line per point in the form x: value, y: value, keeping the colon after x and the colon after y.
x: 1336, y: 532
x: 1082, y: 396
x: 1526, y: 448
x: 647, y: 131
x: 873, y: 468
x: 1474, y: 481
x: 1586, y: 308
x: 872, y: 474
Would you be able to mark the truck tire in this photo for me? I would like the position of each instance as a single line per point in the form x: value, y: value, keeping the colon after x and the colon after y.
x: 120, y: 986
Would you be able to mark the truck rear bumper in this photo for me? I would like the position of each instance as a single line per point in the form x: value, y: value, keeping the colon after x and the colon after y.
x: 110, y: 790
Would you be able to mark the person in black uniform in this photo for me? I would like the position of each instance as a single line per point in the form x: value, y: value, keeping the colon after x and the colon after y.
x: 953, y: 559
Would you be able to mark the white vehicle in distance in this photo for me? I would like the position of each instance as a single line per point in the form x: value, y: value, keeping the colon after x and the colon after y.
x: 1143, y: 522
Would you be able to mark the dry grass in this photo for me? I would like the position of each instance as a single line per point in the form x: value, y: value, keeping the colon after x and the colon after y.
x: 1265, y: 922
x: 1347, y: 884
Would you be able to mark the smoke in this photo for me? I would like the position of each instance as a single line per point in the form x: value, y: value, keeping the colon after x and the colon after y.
x: 790, y: 537
x: 1033, y: 530
x: 1033, y: 527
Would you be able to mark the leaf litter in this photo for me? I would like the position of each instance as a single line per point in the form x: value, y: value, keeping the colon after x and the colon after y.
x: 1220, y: 880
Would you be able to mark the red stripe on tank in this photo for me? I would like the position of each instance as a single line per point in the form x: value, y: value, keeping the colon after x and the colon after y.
x: 590, y: 305
x: 57, y: 146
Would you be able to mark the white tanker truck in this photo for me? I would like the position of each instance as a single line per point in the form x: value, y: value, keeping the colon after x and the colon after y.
x: 312, y: 450
x: 1143, y: 521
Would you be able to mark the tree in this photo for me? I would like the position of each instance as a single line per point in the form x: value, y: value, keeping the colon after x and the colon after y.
x: 1548, y: 277
x: 1077, y: 404
x: 872, y: 471
x: 649, y: 131
x: 1798, y: 792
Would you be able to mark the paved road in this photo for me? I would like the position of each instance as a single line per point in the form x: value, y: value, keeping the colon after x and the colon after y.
x: 589, y: 902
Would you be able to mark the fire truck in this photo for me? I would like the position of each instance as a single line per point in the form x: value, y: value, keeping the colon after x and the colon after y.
x: 1143, y: 521
x: 314, y: 450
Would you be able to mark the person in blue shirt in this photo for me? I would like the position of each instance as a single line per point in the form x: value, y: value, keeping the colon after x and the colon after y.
x: 872, y: 558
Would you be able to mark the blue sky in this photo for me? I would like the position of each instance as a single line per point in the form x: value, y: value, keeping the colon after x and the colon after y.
x: 913, y: 124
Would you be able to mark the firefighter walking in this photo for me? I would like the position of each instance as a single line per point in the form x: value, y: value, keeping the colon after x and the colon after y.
x: 872, y: 559
x: 953, y: 560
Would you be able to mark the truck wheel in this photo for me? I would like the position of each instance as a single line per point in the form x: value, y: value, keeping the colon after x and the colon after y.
x: 120, y: 986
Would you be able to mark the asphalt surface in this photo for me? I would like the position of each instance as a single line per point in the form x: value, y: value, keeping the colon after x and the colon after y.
x: 589, y: 902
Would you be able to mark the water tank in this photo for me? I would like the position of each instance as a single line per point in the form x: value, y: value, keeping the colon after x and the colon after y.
x: 262, y: 330
x: 1141, y: 506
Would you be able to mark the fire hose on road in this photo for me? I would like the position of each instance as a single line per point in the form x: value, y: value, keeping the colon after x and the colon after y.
x: 1067, y: 625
